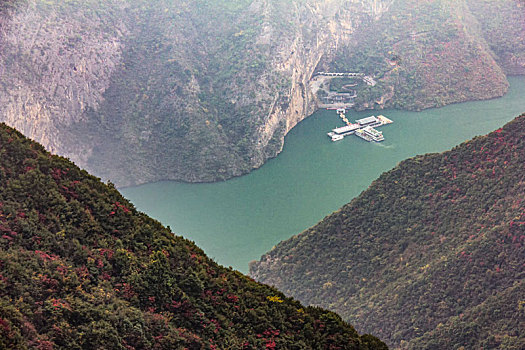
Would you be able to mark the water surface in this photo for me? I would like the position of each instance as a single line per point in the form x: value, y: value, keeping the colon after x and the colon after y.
x: 238, y: 220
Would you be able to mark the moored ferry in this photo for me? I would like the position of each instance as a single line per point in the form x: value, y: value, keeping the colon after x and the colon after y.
x: 339, y: 133
x: 364, y: 128
x: 368, y: 133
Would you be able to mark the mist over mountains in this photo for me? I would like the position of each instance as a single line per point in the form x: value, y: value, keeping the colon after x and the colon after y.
x: 139, y: 91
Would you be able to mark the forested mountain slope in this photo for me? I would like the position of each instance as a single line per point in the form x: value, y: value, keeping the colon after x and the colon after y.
x: 80, y: 268
x: 432, y: 53
x: 206, y: 90
x: 430, y: 256
x: 503, y: 26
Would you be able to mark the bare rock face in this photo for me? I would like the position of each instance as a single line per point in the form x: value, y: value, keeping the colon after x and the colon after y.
x: 198, y: 91
x: 320, y: 28
x: 56, y: 62
x: 139, y: 91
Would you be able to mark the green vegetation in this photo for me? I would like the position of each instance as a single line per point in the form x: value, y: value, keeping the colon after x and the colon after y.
x: 345, y: 84
x: 502, y: 24
x: 184, y: 67
x: 432, y: 53
x: 80, y: 268
x: 187, y: 95
x: 430, y: 256
x: 8, y: 5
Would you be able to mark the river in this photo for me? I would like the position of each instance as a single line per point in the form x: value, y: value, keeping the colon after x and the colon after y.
x: 240, y: 219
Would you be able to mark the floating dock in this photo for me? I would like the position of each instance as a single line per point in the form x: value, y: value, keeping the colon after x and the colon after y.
x: 384, y: 119
x: 363, y: 128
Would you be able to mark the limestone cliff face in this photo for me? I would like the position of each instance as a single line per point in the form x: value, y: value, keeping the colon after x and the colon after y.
x: 322, y: 27
x: 139, y: 91
x: 55, y: 64
x: 202, y: 91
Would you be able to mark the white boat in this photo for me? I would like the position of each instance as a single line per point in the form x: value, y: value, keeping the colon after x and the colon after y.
x: 364, y: 128
x: 368, y: 133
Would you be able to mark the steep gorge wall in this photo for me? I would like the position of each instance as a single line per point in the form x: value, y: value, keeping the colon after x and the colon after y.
x: 144, y: 91
x: 321, y: 28
x: 55, y: 63
x: 141, y: 91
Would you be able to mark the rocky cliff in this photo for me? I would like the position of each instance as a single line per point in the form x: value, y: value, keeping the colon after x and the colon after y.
x: 56, y: 63
x: 205, y: 91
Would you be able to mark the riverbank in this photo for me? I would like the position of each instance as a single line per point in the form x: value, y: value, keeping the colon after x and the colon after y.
x: 238, y: 220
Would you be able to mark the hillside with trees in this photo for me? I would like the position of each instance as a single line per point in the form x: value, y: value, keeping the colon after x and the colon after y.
x: 433, y: 53
x: 503, y: 26
x: 80, y: 268
x: 430, y: 256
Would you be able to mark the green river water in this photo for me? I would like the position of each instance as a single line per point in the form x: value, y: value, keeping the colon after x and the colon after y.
x: 240, y: 219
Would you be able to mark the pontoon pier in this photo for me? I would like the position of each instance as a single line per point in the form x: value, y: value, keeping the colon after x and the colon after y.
x: 364, y: 128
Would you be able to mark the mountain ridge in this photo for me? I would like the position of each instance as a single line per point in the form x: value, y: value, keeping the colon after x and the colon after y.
x: 430, y: 246
x: 81, y: 268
